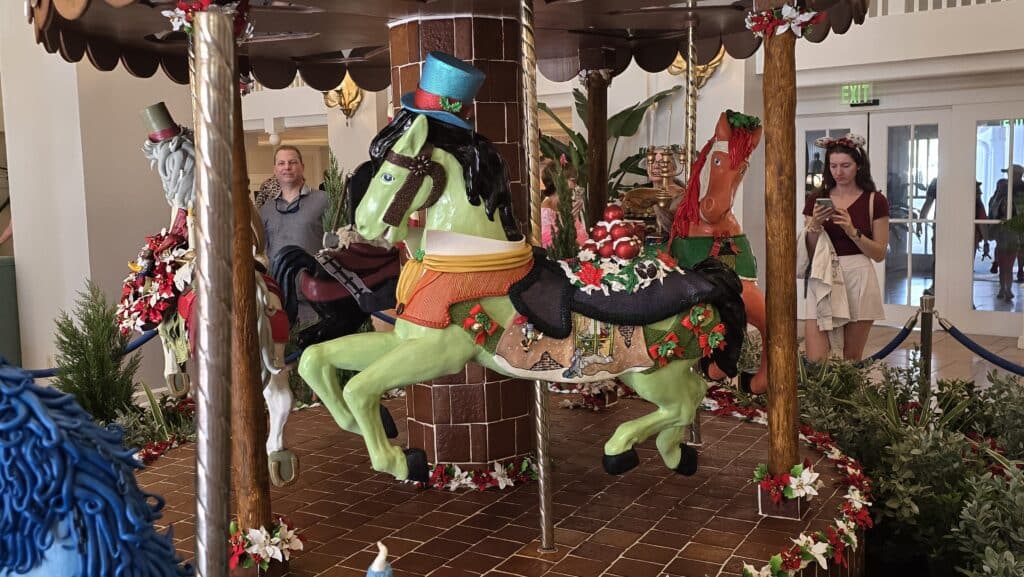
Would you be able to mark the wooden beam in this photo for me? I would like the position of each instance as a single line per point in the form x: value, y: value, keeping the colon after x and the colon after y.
x: 248, y: 421
x: 597, y: 143
x: 780, y: 232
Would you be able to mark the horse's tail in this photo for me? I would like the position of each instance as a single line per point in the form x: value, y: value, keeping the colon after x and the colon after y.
x: 728, y: 301
x: 288, y: 264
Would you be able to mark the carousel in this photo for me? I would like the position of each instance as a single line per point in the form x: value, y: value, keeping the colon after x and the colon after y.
x: 444, y: 236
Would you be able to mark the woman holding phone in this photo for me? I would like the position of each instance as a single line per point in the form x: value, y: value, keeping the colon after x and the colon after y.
x: 855, y: 216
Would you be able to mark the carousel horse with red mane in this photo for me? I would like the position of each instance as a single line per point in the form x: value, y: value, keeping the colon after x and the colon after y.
x: 704, y: 225
x: 476, y: 291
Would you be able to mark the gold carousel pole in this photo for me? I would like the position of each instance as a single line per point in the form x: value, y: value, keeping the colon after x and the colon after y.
x: 691, y: 141
x: 213, y: 87
x: 532, y: 141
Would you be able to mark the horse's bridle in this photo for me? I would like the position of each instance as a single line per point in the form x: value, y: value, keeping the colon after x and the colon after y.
x: 419, y: 167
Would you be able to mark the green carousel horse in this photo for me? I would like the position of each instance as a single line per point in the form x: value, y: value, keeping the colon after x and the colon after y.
x: 476, y: 291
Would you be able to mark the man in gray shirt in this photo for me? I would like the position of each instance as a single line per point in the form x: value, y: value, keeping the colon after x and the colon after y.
x: 295, y: 216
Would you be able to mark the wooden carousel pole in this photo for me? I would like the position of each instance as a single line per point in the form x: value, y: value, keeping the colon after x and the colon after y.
x: 213, y: 85
x: 248, y: 423
x: 597, y: 139
x: 779, y: 91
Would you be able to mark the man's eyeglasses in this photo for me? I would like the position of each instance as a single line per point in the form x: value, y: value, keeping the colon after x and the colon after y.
x: 288, y: 207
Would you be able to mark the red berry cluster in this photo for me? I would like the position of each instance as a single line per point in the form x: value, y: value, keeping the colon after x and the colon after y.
x: 614, y: 236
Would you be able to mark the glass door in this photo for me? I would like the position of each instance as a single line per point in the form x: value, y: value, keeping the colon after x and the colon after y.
x: 810, y: 163
x: 905, y: 150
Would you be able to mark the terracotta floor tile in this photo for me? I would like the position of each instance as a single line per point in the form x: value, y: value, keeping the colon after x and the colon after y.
x: 444, y: 548
x: 615, y: 538
x: 598, y: 551
x: 533, y: 549
x: 652, y: 553
x: 525, y: 566
x: 496, y: 547
x: 418, y: 563
x: 475, y: 562
x: 718, y: 538
x: 690, y: 568
x: 635, y: 568
x: 579, y: 566
x: 708, y: 553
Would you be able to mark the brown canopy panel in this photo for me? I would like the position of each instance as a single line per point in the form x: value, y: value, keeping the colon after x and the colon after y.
x: 321, y: 40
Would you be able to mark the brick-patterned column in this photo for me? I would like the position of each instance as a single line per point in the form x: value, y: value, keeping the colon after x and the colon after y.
x: 474, y: 417
x: 492, y: 45
x: 471, y: 418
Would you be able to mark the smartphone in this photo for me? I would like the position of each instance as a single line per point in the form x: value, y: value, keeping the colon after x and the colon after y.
x: 826, y: 202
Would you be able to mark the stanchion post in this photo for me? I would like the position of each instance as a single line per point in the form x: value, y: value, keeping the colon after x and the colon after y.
x: 927, y: 312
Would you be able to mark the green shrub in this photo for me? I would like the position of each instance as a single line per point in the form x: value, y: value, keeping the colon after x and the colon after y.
x: 990, y: 528
x: 91, y: 363
x: 1003, y: 413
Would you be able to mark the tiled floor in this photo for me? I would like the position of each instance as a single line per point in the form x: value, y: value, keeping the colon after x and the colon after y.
x: 649, y: 522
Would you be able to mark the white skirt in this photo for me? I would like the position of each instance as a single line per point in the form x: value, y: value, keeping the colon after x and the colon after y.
x: 862, y: 290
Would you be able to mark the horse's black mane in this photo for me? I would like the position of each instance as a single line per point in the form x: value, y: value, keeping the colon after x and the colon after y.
x: 483, y: 168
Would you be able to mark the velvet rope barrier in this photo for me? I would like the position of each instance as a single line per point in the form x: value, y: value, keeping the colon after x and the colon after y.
x: 50, y: 373
x: 979, y: 350
x: 896, y: 341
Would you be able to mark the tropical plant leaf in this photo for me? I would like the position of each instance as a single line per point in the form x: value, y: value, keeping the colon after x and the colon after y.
x: 627, y: 121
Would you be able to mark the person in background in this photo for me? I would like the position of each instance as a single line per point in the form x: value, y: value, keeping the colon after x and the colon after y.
x: 855, y: 218
x: 549, y: 207
x: 1008, y: 241
x: 295, y: 216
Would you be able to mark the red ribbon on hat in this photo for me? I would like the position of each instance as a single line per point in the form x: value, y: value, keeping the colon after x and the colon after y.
x: 164, y: 134
x: 424, y: 100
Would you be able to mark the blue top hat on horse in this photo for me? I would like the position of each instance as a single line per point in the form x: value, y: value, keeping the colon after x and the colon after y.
x: 476, y: 291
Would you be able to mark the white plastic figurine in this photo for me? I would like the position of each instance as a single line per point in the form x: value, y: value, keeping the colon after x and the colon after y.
x: 380, y: 566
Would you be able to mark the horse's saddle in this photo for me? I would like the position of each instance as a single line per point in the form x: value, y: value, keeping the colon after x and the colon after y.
x: 359, y: 270
x: 547, y: 298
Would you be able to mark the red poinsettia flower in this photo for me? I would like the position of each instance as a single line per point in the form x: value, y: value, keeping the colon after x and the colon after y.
x: 590, y: 274
x: 667, y: 259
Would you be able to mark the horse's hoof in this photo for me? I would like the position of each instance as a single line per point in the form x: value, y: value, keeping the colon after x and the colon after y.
x: 619, y: 464
x: 390, y: 428
x: 178, y: 384
x: 284, y: 467
x: 688, y: 461
x: 419, y: 470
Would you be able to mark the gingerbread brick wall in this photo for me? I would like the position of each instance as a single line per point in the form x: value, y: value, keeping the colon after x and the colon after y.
x: 492, y: 45
x: 472, y: 417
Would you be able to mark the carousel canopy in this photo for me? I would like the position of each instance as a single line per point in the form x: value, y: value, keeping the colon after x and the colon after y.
x: 322, y: 40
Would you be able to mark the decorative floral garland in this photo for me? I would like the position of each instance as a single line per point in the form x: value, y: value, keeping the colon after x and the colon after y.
x: 613, y: 274
x: 152, y: 289
x: 452, y: 477
x: 184, y: 12
x: 258, y: 547
x: 775, y: 22
x: 480, y: 324
x: 822, y: 546
x: 801, y: 481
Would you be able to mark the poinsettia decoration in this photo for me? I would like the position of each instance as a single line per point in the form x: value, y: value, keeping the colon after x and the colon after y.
x: 184, y: 13
x: 480, y: 324
x: 667, y: 349
x: 770, y: 23
x: 151, y: 291
x: 591, y: 272
x: 801, y: 481
x: 258, y: 547
x: 697, y: 321
x: 453, y: 477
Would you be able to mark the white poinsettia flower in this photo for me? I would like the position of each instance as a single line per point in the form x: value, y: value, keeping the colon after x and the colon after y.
x: 609, y: 266
x: 849, y: 532
x: 177, y: 18
x: 288, y: 541
x: 857, y: 498
x: 751, y: 571
x: 816, y: 549
x: 834, y: 453
x: 501, y: 476
x: 805, y: 485
x: 585, y: 255
x: 259, y: 540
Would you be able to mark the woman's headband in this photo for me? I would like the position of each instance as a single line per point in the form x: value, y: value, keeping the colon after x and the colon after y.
x: 851, y: 140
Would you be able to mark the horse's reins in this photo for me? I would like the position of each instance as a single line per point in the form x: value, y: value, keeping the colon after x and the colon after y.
x: 419, y: 167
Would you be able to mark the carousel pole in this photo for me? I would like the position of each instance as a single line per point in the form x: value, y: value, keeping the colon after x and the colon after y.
x: 780, y: 229
x: 248, y: 423
x: 597, y: 139
x: 532, y: 141
x: 691, y: 142
x: 213, y: 87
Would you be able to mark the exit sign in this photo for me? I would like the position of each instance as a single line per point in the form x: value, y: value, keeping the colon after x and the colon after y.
x: 857, y: 94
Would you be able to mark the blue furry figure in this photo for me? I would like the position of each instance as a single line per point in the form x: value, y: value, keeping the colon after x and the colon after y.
x: 69, y: 503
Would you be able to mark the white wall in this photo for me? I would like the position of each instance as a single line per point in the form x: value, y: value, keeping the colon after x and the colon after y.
x: 40, y: 94
x: 350, y: 138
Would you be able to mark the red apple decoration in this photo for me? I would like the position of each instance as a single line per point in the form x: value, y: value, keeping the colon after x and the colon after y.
x: 627, y: 250
x: 620, y: 230
x: 613, y: 212
x: 591, y: 246
x: 606, y: 250
x: 599, y: 233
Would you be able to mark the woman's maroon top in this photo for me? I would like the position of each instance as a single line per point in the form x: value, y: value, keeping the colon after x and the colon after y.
x: 859, y: 215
